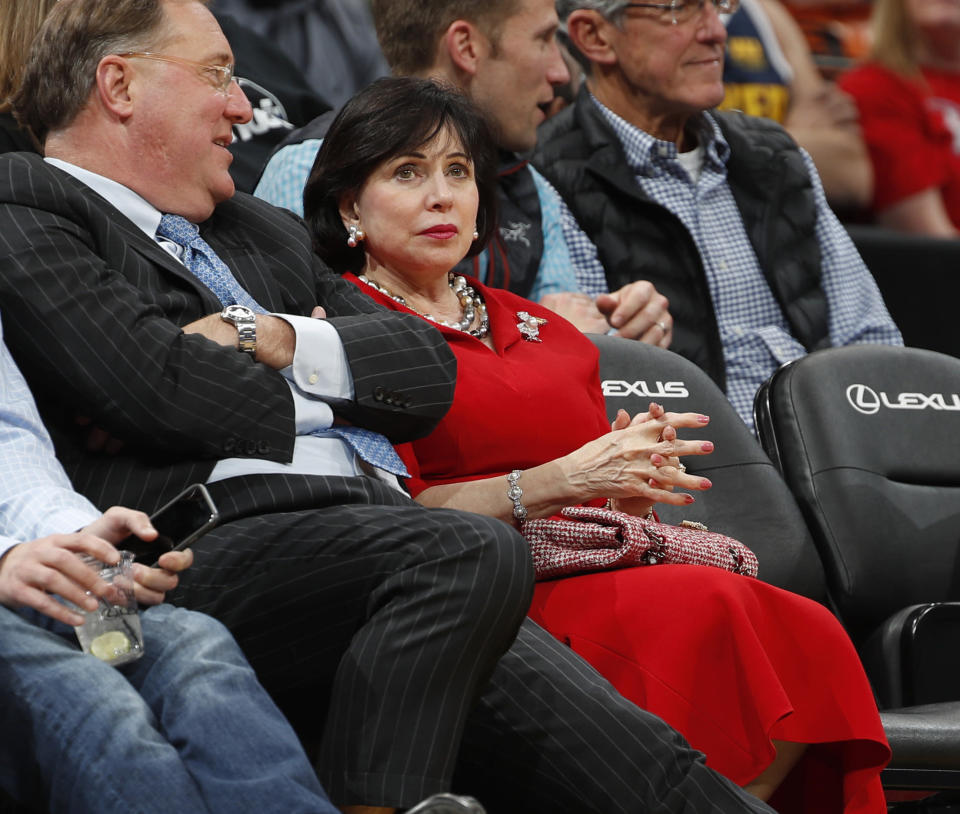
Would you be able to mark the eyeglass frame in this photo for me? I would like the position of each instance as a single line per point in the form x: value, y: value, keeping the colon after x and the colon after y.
x: 224, y: 71
x: 732, y: 5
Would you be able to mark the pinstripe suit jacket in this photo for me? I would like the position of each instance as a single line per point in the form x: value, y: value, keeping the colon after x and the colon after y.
x: 92, y: 309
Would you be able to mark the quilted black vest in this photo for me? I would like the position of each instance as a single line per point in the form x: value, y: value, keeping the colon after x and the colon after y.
x: 637, y: 239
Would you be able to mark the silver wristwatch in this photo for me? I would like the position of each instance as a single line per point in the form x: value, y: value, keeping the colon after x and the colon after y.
x: 245, y: 321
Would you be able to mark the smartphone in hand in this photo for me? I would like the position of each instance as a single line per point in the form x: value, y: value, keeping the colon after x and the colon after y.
x: 179, y: 523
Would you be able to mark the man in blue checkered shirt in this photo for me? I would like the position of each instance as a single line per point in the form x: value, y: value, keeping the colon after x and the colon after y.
x: 722, y: 212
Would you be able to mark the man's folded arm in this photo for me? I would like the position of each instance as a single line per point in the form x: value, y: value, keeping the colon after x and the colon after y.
x: 87, y: 337
x: 402, y: 369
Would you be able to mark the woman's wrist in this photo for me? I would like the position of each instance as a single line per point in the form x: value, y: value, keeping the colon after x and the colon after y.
x: 514, y: 495
x: 637, y: 506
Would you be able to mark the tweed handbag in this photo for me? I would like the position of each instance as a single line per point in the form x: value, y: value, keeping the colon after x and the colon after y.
x: 587, y: 538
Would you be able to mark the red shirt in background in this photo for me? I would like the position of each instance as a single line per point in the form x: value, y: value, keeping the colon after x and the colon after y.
x: 912, y: 130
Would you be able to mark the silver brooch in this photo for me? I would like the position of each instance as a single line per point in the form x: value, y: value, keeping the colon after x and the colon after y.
x: 529, y: 326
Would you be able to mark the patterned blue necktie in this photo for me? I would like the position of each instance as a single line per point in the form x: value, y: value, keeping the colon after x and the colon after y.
x: 202, y: 261
x: 371, y: 446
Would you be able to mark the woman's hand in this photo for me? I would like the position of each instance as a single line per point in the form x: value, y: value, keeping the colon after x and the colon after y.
x: 637, y: 463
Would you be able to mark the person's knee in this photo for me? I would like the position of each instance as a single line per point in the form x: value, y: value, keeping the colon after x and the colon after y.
x: 503, y: 565
x: 179, y: 639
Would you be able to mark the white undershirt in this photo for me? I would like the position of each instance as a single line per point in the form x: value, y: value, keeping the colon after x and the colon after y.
x: 692, y: 162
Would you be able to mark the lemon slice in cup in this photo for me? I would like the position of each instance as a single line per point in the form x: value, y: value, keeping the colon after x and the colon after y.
x: 110, y: 645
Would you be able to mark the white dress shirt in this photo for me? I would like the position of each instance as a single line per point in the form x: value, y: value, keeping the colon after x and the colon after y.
x: 319, y: 371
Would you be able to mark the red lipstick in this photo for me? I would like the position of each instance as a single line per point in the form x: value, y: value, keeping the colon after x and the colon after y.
x: 442, y: 231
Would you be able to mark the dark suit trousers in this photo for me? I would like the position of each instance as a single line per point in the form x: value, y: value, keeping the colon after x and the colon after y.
x: 405, y: 618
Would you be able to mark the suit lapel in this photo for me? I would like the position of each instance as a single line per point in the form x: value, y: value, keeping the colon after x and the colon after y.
x: 153, y: 252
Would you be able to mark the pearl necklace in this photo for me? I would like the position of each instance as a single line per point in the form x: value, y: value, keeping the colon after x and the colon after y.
x: 470, y: 301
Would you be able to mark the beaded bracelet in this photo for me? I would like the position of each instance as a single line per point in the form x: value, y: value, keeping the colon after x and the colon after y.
x: 514, y: 492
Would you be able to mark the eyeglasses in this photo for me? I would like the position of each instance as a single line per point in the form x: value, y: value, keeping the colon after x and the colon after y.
x: 683, y: 10
x: 220, y: 76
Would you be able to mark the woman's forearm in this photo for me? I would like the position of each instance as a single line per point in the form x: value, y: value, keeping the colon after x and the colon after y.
x: 545, y: 492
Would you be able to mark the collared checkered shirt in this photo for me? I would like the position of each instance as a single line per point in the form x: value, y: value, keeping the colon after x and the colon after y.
x: 755, y: 334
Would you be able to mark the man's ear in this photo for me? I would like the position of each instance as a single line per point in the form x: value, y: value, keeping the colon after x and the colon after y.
x: 590, y: 34
x: 464, y: 45
x: 113, y: 81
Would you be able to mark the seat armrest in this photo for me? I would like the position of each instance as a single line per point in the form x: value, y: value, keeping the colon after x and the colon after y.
x: 913, y: 657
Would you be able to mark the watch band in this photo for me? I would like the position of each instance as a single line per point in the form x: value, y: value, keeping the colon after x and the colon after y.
x: 245, y: 321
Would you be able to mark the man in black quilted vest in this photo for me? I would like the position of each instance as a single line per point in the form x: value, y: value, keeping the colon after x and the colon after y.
x: 503, y: 54
x: 722, y: 212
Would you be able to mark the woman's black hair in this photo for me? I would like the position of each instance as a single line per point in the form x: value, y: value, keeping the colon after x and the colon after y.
x: 391, y: 117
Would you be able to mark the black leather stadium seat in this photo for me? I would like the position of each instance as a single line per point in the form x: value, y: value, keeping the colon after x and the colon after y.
x: 919, y: 278
x: 868, y: 439
x: 749, y: 500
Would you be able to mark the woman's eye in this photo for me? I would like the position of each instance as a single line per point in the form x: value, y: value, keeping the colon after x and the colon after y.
x: 459, y: 171
x: 405, y: 172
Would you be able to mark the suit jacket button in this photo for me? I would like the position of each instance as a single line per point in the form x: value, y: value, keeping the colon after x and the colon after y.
x: 263, y: 447
x: 251, y: 447
x: 230, y: 445
x: 378, y: 393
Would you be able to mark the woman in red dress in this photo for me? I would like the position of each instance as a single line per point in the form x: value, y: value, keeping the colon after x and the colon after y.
x: 764, y: 682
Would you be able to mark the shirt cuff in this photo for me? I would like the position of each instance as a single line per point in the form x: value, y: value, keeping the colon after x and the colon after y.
x: 66, y: 520
x: 309, y: 413
x: 6, y: 543
x: 320, y: 368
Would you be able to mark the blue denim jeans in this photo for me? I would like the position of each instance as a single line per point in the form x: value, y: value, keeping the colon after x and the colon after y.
x: 186, y: 728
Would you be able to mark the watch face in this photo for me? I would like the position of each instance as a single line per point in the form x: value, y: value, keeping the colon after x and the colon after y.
x: 237, y: 312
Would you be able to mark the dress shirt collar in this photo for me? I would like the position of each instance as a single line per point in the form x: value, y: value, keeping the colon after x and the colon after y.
x: 143, y: 214
x: 648, y: 155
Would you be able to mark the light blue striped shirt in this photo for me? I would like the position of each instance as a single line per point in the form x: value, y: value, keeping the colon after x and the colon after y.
x: 36, y: 498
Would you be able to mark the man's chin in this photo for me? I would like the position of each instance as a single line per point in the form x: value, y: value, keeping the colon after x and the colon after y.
x: 224, y: 193
x: 519, y: 142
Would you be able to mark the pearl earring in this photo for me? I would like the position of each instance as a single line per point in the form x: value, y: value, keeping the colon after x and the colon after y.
x: 476, y: 234
x: 356, y: 235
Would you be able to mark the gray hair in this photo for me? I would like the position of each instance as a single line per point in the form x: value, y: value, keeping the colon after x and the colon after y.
x: 60, y: 70
x: 612, y: 10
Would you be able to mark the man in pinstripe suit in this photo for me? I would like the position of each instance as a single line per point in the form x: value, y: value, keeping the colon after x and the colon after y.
x: 410, y: 621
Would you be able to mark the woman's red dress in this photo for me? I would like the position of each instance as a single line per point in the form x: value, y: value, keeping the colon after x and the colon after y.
x: 730, y: 661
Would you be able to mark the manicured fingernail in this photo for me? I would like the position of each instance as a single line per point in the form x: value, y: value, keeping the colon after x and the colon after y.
x: 705, y: 484
x: 688, y: 499
x: 656, y: 460
x: 655, y: 484
x: 703, y: 419
x: 707, y: 446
